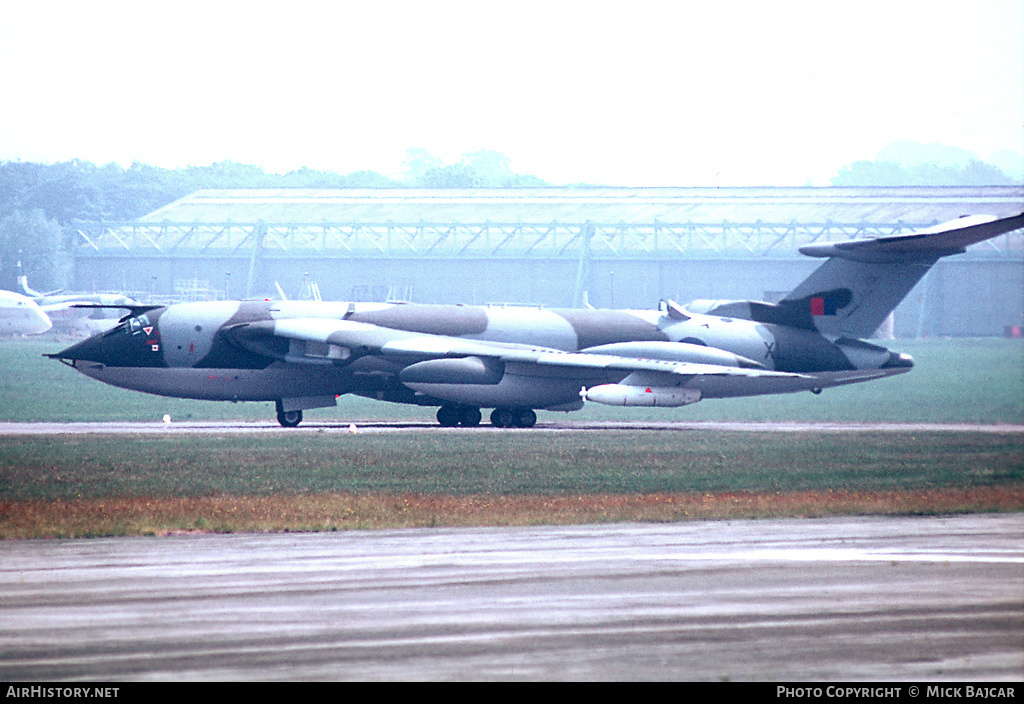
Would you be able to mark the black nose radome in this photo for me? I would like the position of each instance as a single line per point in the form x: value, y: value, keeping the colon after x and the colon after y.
x: 92, y: 349
x: 118, y: 347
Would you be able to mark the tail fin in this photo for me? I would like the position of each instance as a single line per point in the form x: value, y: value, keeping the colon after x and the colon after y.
x: 23, y: 283
x: 864, y: 280
x: 32, y: 293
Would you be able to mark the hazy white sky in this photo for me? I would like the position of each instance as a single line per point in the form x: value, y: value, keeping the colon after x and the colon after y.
x: 620, y: 93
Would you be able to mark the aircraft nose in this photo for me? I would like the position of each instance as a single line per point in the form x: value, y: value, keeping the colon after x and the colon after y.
x: 92, y: 349
x: 122, y: 346
x: 898, y: 360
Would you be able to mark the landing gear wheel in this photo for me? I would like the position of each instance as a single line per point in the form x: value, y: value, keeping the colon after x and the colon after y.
x: 289, y: 419
x: 525, y: 418
x: 470, y: 417
x: 502, y: 418
x: 448, y: 416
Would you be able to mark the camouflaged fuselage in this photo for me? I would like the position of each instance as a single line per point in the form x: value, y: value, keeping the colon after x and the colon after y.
x: 250, y: 351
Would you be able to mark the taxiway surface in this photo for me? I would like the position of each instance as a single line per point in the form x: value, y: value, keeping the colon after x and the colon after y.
x: 783, y: 600
x: 132, y: 428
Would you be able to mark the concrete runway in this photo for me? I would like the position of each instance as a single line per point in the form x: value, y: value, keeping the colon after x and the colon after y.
x: 782, y: 600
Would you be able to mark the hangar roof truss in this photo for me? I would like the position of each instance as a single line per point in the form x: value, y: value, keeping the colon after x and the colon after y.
x: 542, y: 223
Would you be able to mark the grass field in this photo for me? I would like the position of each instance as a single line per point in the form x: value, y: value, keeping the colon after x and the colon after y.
x: 104, y: 485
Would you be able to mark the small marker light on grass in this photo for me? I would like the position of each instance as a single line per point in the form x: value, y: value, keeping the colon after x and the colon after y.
x: 167, y: 417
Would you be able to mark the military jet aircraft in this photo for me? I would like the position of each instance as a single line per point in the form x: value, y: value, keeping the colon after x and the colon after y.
x: 67, y: 313
x: 20, y: 315
x: 517, y: 360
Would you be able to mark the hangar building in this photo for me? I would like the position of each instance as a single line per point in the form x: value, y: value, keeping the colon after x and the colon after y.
x: 556, y: 247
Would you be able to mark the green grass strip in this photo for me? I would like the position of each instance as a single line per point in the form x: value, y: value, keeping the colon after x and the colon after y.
x: 599, y: 462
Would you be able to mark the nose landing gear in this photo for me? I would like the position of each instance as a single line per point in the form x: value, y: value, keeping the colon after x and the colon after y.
x: 288, y: 419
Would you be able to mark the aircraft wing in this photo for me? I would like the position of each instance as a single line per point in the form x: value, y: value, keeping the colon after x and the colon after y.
x: 65, y: 304
x: 57, y: 307
x: 318, y: 341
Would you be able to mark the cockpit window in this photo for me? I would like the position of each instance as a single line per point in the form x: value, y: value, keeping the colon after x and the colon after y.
x: 137, y: 325
x: 132, y: 326
x: 117, y: 330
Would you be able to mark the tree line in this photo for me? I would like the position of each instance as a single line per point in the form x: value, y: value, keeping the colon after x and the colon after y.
x: 79, y: 190
x: 40, y: 202
x: 890, y: 173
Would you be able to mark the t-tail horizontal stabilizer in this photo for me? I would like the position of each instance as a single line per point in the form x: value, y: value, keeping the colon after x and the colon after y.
x: 864, y: 280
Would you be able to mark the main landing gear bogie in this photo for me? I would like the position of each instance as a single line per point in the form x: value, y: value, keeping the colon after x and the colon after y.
x: 450, y: 416
x: 513, y: 418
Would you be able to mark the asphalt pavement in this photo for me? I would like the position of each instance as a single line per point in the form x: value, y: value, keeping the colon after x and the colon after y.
x: 873, y: 598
